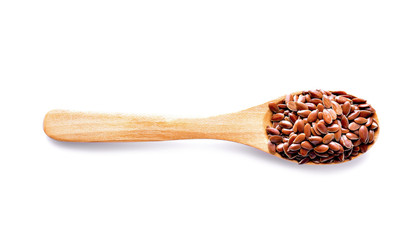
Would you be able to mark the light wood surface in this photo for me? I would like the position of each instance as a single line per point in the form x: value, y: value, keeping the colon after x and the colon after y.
x: 246, y: 127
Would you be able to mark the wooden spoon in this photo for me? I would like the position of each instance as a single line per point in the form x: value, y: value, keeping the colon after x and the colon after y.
x: 247, y: 127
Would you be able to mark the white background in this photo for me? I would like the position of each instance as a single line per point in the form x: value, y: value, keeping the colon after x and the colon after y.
x: 196, y: 59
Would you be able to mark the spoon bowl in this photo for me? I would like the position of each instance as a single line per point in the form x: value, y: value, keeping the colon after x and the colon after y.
x: 246, y: 127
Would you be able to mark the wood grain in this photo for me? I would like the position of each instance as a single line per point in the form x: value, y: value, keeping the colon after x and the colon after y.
x: 246, y: 127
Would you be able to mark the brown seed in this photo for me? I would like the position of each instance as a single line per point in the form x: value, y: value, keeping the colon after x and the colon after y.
x: 374, y: 126
x: 321, y: 127
x: 273, y: 107
x: 353, y: 126
x: 291, y: 154
x: 322, y: 156
x: 358, y: 100
x: 344, y: 130
x: 312, y: 155
x: 315, y: 94
x: 286, y: 148
x: 294, y: 147
x: 301, y: 99
x: 324, y: 92
x: 293, y: 117
x: 292, y: 139
x: 327, y: 116
x: 333, y: 128
x: 334, y: 146
x: 341, y: 99
x: 327, y: 92
x: 315, y: 140
x: 307, y: 130
x: 276, y: 139
x: 307, y: 97
x: 346, y: 108
x: 365, y: 113
x: 279, y: 147
x: 337, y: 108
x: 363, y: 148
x: 299, y: 138
x: 316, y: 101
x: 292, y: 106
x: 339, y: 92
x: 348, y: 96
x: 315, y: 129
x: 326, y: 101
x: 364, y: 105
x: 277, y: 117
x: 353, y: 115
x: 282, y: 106
x: 371, y: 136
x: 348, y: 152
x: 273, y: 131
x: 320, y: 115
x: 303, y: 161
x: 360, y: 120
x: 311, y: 106
x: 356, y: 148
x: 313, y: 116
x: 337, y: 135
x: 351, y: 136
x: 333, y: 114
x: 344, y: 121
x: 336, y: 121
x: 363, y: 134
x: 287, y: 131
x: 304, y: 113
x: 301, y: 106
x: 303, y: 152
x: 341, y: 157
x: 285, y: 124
x: 298, y: 127
x: 288, y: 98
x: 357, y: 143
x: 328, y: 138
x: 326, y: 159
x: 276, y: 125
x: 369, y: 122
x: 346, y: 142
x: 321, y: 148
x: 306, y: 145
x: 271, y: 147
x: 320, y: 107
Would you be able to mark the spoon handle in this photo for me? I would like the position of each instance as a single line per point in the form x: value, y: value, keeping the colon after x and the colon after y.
x: 98, y: 127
